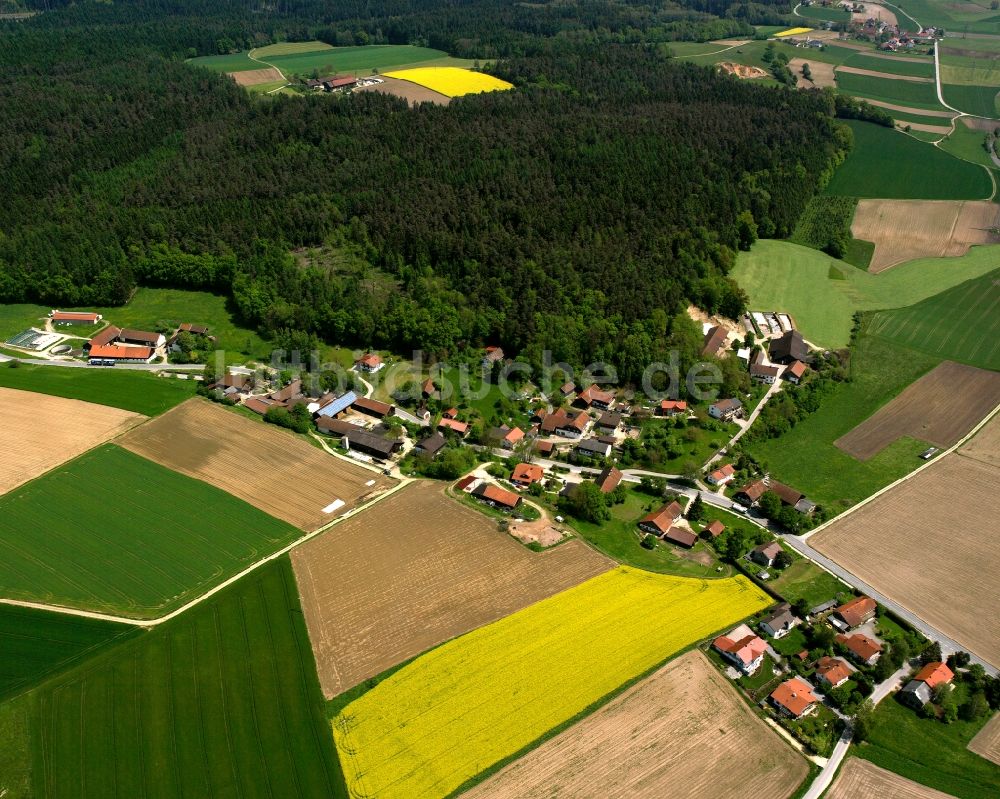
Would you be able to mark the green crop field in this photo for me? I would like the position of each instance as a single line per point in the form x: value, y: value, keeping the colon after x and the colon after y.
x: 930, y: 752
x: 980, y: 101
x: 968, y: 145
x: 289, y: 48
x: 960, y: 324
x: 956, y: 18
x: 331, y: 60
x: 805, y: 456
x: 121, y: 388
x: 113, y: 532
x: 887, y: 164
x: 889, y: 90
x: 36, y: 644
x: 781, y: 276
x: 821, y: 14
x: 222, y: 701
x: 925, y: 69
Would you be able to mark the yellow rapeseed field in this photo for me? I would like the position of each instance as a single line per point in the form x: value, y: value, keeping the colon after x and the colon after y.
x: 792, y: 32
x: 474, y: 701
x: 451, y: 81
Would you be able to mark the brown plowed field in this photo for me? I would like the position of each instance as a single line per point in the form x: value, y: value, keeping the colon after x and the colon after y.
x: 985, y: 445
x: 903, y: 230
x: 822, y: 73
x: 859, y: 779
x: 261, y: 464
x: 682, y: 726
x: 413, y: 571
x: 940, y: 408
x: 940, y: 130
x: 410, y: 92
x: 871, y: 73
x: 40, y: 432
x: 987, y: 741
x: 975, y: 123
x: 906, y: 109
x: 932, y: 544
x: 253, y: 77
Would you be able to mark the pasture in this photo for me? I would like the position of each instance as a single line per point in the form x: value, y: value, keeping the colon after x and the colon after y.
x: 931, y: 545
x: 133, y: 539
x: 41, y: 431
x: 987, y: 741
x: 220, y: 702
x: 919, y: 93
x: 268, y: 467
x: 451, y: 81
x: 414, y: 570
x: 129, y: 390
x: 941, y: 408
x: 960, y: 323
x: 886, y: 164
x: 704, y: 735
x: 473, y: 703
x: 861, y: 778
x: 968, y: 143
x: 37, y: 644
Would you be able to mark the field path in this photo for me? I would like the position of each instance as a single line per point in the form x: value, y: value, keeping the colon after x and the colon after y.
x: 252, y: 57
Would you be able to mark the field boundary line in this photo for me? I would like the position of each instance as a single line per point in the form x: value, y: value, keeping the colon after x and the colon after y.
x: 905, y: 477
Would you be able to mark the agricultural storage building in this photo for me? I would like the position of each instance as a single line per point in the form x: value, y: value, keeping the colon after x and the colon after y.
x: 608, y: 479
x: 115, y: 352
x: 795, y: 372
x: 496, y: 497
x: 681, y: 536
x: 337, y: 406
x: 461, y: 428
x: 371, y: 444
x: 334, y: 427
x: 715, y: 340
x: 107, y: 336
x: 659, y: 522
x: 432, y: 445
x: 142, y: 338
x: 789, y: 347
x: 75, y: 317
x: 372, y: 407
x: 714, y: 528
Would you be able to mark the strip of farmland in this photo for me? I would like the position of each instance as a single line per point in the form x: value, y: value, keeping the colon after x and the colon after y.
x: 859, y: 778
x: 414, y: 570
x: 987, y: 741
x: 270, y: 468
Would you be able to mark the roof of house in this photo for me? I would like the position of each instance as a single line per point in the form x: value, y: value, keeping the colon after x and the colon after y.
x: 338, y: 404
x: 451, y: 413
x: 453, y: 424
x: 796, y: 369
x: 754, y: 490
x: 74, y: 316
x: 721, y: 474
x: 673, y: 405
x: 465, y: 482
x: 433, y: 444
x: 527, y: 473
x: 233, y: 380
x: 262, y: 405
x: 861, y: 645
x: 500, y: 496
x: 714, y: 340
x: 785, y: 493
x: 560, y: 420
x: 769, y: 550
x: 128, y: 334
x: 293, y: 389
x: 340, y: 81
x: 593, y: 445
x: 728, y: 404
x: 514, y: 435
x: 370, y: 360
x: 833, y: 670
x: 790, y: 345
x: 919, y: 689
x: 567, y: 388
x: 198, y: 330
x: 682, y: 536
x: 372, y: 406
x: 715, y: 528
x: 795, y: 695
x: 335, y: 426
x: 112, y: 351
x: 935, y: 674
x: 746, y: 649
x: 428, y: 386
x: 608, y: 479
x: 779, y: 617
x: 610, y: 420
x: 857, y: 610
x: 106, y: 336
x: 761, y: 370
x: 593, y: 394
x: 544, y: 447
x: 663, y: 518
x: 370, y: 441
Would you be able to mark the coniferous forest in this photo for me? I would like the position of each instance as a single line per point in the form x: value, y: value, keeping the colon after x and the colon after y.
x: 579, y: 213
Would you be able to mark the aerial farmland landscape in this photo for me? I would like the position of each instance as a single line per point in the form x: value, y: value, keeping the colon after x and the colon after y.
x: 421, y: 400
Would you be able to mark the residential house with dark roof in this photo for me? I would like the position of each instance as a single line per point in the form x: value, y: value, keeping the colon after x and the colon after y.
x: 432, y: 445
x: 715, y: 339
x: 591, y: 447
x: 779, y: 622
x: 506, y: 437
x: 609, y: 422
x: 764, y: 373
x: 565, y: 424
x: 764, y: 554
x: 726, y: 409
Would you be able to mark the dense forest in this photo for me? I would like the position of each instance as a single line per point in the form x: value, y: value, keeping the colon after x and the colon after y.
x: 578, y: 214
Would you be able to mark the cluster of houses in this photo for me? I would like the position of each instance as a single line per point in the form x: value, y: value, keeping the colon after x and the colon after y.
x: 749, y: 495
x: 124, y: 345
x: 340, y: 83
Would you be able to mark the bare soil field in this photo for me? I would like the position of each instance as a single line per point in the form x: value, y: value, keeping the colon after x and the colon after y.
x: 907, y: 109
x: 984, y: 446
x: 939, y: 130
x: 413, y: 571
x: 410, y: 92
x: 41, y: 431
x: 940, y: 408
x: 270, y: 468
x: 822, y: 73
x: 987, y: 741
x: 253, y: 77
x: 859, y: 778
x: 904, y: 230
x: 871, y: 73
x: 976, y: 123
x: 682, y: 726
x: 931, y: 544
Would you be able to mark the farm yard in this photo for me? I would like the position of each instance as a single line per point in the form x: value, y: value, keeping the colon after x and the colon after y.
x: 859, y: 778
x: 411, y: 92
x: 451, y: 81
x: 904, y: 230
x: 41, y: 432
x: 987, y: 741
x: 414, y: 570
x: 220, y: 702
x: 703, y: 735
x: 413, y: 733
x: 134, y: 539
x: 940, y: 408
x: 261, y: 464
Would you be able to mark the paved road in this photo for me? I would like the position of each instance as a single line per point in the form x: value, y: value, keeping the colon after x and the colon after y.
x: 775, y: 387
x: 135, y: 367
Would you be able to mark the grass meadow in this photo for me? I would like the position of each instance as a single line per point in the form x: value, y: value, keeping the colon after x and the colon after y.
x: 925, y: 69
x: 979, y: 101
x: 133, y: 538
x: 900, y: 92
x: 222, y: 701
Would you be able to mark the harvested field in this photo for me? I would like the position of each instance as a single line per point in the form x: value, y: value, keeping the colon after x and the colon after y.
x: 987, y: 741
x: 253, y: 77
x: 822, y: 73
x: 860, y: 778
x: 938, y: 130
x: 259, y: 463
x: 411, y: 92
x: 906, y: 109
x: 41, y: 432
x: 703, y: 735
x: 932, y: 536
x: 904, y: 230
x: 414, y: 570
x: 976, y: 123
x: 984, y: 446
x: 940, y: 408
x: 871, y: 73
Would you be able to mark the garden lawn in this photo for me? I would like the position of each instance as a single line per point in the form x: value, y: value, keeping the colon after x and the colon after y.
x: 805, y: 580
x: 888, y: 164
x: 930, y: 752
x: 116, y: 533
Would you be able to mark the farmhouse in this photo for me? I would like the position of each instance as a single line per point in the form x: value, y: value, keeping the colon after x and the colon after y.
x: 854, y: 613
x: 75, y: 317
x: 779, y: 622
x: 592, y: 396
x: 715, y: 340
x: 141, y: 338
x: 609, y: 422
x: 233, y: 384
x: 681, y: 536
x: 789, y: 347
x: 527, y: 473
x: 608, y: 479
x: 765, y: 554
x: 722, y: 475
x: 334, y: 427
x: 371, y: 444
x: 373, y: 407
x: 262, y: 405
x: 460, y: 428
x: 714, y: 528
x: 338, y: 83
x: 726, y: 409
x: 506, y: 437
x: 563, y: 424
x: 659, y: 522
x: 289, y: 392
x: 114, y: 352
x: 592, y: 447
x: 745, y: 652
x: 497, y: 497
x: 832, y: 672
x: 794, y: 698
x: 493, y: 355
x: 861, y: 647
x: 107, y: 336
x: 920, y: 690
x: 369, y: 362
x: 432, y: 445
x: 751, y: 493
x: 795, y: 372
x: 337, y: 405
x: 764, y: 373
x: 672, y: 407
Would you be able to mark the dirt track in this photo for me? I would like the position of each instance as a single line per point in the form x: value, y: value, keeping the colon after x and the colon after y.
x: 941, y: 407
x: 987, y: 740
x: 903, y: 230
x: 417, y: 569
x: 682, y: 726
x: 410, y: 92
x: 860, y: 779
x: 270, y: 468
x: 40, y: 432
